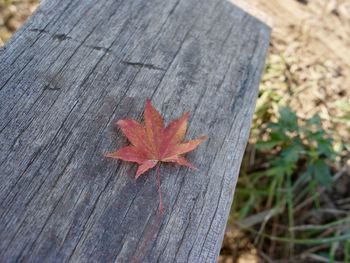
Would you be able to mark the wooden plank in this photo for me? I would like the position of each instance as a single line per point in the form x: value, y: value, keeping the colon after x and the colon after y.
x: 73, y: 70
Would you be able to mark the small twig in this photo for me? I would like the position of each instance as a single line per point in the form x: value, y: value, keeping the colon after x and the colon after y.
x: 313, y: 250
x: 273, y: 233
x: 319, y: 258
x: 332, y: 211
x: 320, y: 227
x: 343, y: 201
x: 326, y: 233
x: 265, y: 257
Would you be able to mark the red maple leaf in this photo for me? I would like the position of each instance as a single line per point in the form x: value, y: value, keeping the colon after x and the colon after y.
x: 154, y: 143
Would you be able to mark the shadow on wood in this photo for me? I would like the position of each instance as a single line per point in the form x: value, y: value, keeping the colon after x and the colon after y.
x: 73, y: 70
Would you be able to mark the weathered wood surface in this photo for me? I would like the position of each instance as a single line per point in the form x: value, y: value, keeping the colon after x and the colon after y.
x: 73, y: 70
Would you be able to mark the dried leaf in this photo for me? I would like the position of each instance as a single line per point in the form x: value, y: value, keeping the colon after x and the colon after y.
x: 153, y: 143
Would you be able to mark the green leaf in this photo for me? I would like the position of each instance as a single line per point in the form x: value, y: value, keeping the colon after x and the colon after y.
x: 279, y: 136
x: 276, y: 171
x: 314, y: 120
x: 303, y: 176
x: 288, y: 119
x: 324, y: 147
x: 292, y: 153
x: 322, y: 173
x: 268, y: 145
x: 281, y: 167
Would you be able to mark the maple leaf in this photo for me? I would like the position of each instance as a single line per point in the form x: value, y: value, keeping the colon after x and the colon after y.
x: 153, y: 143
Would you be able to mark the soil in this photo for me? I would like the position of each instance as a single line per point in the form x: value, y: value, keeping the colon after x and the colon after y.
x: 12, y: 15
x: 313, y: 39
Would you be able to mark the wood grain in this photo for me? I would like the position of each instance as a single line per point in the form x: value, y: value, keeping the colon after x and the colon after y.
x: 65, y: 78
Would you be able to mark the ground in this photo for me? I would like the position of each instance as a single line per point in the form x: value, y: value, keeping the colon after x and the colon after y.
x: 308, y: 69
x: 13, y: 13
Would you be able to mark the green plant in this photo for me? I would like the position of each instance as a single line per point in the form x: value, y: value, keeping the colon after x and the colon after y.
x: 5, y: 2
x: 293, y: 143
x: 294, y: 159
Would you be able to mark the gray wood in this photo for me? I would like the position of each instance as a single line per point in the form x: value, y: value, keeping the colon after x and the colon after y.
x: 73, y: 70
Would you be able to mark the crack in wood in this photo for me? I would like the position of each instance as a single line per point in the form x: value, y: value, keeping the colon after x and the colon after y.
x: 62, y: 37
x: 51, y: 87
x: 143, y: 65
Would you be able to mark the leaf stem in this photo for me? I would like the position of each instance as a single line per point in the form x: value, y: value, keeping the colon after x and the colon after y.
x: 159, y: 191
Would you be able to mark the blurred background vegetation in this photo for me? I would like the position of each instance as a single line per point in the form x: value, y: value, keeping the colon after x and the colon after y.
x: 13, y: 13
x: 292, y: 200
